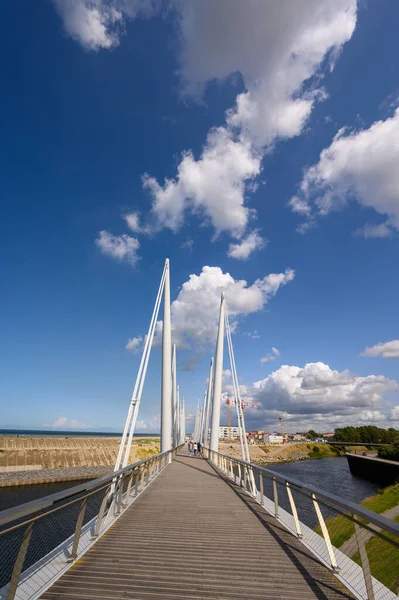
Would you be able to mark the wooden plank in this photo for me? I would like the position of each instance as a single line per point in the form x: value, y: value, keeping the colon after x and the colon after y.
x: 192, y: 535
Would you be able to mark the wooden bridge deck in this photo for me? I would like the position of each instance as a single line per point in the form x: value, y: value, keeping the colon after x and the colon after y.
x: 192, y: 535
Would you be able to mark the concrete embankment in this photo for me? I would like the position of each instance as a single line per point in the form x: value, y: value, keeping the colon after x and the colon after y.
x: 26, y: 460
x: 381, y: 471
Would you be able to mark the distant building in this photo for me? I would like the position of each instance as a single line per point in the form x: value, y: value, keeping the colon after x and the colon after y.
x: 228, y: 433
x: 329, y: 434
x: 273, y: 439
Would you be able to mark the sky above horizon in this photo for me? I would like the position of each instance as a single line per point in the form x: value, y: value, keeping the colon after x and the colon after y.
x: 256, y: 145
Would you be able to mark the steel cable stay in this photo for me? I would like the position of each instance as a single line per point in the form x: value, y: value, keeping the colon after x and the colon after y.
x: 238, y: 402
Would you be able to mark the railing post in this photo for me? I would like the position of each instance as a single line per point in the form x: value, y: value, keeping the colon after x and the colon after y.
x: 19, y: 562
x: 293, y: 510
x: 78, y: 529
x: 368, y: 580
x: 275, y: 498
x: 326, y: 535
x: 262, y: 500
x: 245, y: 478
x: 142, y: 479
x: 101, y: 512
x: 239, y: 474
x: 118, y: 503
x: 129, y: 487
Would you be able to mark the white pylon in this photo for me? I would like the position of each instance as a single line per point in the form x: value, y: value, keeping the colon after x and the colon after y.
x: 178, y: 417
x: 183, y: 423
x: 166, y: 391
x: 208, y: 403
x: 217, y: 383
x: 174, y: 397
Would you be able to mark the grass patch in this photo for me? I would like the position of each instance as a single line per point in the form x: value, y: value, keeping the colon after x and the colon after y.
x: 382, y: 558
x: 386, y: 498
x: 340, y: 529
x: 323, y: 450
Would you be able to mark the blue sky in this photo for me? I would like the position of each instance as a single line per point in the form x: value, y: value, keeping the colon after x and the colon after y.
x: 252, y: 138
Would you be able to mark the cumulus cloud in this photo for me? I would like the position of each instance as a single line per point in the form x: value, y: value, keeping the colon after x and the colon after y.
x: 98, y: 24
x: 133, y: 222
x: 319, y: 397
x: 141, y: 425
x: 134, y: 344
x: 386, y: 350
x: 65, y: 423
x: 374, y: 231
x: 122, y: 247
x: 242, y: 251
x: 395, y: 414
x: 359, y: 166
x: 195, y: 311
x: 276, y: 47
x: 272, y: 356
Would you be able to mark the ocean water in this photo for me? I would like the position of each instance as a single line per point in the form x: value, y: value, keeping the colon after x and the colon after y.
x: 44, y: 432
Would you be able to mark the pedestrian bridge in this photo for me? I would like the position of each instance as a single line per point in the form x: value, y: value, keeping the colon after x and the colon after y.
x: 179, y: 527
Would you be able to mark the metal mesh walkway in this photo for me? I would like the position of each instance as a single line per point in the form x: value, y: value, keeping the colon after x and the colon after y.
x: 191, y: 536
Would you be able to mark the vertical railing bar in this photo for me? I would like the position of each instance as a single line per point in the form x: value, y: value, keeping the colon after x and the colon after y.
x: 101, y: 511
x: 368, y: 580
x: 293, y: 510
x: 78, y: 529
x: 275, y: 498
x: 326, y: 535
x: 262, y: 499
x: 129, y: 487
x: 19, y: 562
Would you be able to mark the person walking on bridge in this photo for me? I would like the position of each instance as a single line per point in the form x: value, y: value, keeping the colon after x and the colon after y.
x: 195, y: 448
x: 199, y: 447
x: 190, y: 448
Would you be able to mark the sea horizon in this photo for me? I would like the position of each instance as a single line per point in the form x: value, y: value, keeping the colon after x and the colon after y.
x: 72, y: 433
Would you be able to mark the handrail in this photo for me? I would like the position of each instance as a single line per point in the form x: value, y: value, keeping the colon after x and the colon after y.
x: 22, y: 510
x: 380, y: 521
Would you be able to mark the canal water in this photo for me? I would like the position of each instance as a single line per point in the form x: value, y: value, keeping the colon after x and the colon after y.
x: 331, y: 475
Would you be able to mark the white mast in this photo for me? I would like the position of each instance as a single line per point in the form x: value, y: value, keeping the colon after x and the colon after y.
x: 217, y: 385
x: 166, y: 391
x: 209, y: 402
x: 174, y: 397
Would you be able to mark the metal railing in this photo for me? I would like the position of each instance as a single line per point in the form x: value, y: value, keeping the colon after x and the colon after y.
x: 359, y: 546
x: 40, y: 540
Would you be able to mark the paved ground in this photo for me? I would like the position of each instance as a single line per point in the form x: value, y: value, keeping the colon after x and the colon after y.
x: 190, y: 536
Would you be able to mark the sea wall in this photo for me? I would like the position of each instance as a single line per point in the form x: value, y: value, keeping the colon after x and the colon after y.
x: 377, y: 470
x: 25, y: 453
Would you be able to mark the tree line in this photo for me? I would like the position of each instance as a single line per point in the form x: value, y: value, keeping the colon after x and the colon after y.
x: 367, y: 434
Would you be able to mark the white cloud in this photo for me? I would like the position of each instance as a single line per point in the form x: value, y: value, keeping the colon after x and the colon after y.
x: 133, y: 222
x: 395, y: 414
x: 65, y: 423
x: 188, y: 245
x: 212, y: 187
x: 98, y: 24
x: 360, y: 166
x: 195, y: 311
x: 242, y: 251
x: 277, y: 47
x: 272, y: 356
x: 374, y: 231
x: 141, y: 425
x: 386, y: 350
x: 134, y: 344
x: 122, y: 247
x: 318, y: 396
